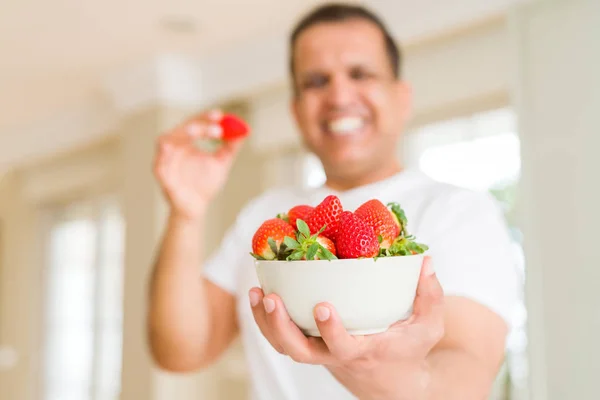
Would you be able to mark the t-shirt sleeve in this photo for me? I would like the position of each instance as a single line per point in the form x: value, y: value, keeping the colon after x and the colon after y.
x: 472, y: 251
x: 223, y: 265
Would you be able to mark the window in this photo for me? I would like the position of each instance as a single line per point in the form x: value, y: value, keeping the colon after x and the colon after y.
x: 83, y: 302
x: 480, y: 152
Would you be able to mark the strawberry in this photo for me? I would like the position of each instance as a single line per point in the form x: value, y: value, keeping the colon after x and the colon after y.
x: 383, y: 221
x: 268, y: 239
x: 326, y: 214
x: 404, y: 244
x: 355, y: 238
x: 327, y: 243
x: 233, y: 127
x: 297, y: 212
x: 309, y: 247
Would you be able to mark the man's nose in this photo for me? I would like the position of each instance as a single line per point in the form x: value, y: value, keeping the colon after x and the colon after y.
x: 340, y: 92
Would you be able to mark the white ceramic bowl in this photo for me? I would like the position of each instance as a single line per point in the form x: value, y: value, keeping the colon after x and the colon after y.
x: 369, y: 295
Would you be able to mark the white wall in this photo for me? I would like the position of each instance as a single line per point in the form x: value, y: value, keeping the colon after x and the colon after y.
x: 558, y: 95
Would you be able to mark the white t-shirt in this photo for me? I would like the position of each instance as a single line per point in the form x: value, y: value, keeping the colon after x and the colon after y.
x: 465, y: 231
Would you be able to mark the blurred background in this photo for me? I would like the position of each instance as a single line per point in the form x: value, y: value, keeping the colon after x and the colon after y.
x: 506, y: 100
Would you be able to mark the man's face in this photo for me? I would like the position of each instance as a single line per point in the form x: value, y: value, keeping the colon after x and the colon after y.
x: 349, y: 105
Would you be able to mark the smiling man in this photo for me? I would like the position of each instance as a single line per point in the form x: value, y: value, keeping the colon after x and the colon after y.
x: 351, y: 105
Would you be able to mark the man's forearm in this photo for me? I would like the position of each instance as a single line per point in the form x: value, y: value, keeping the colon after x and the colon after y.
x: 454, y: 374
x: 446, y: 374
x: 178, y: 314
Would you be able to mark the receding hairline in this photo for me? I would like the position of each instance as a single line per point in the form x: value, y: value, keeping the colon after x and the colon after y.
x: 337, y: 13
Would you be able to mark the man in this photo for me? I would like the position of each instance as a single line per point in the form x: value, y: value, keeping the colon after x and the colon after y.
x: 350, y: 105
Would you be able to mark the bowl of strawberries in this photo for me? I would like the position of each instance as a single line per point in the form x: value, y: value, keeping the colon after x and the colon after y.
x: 363, y: 262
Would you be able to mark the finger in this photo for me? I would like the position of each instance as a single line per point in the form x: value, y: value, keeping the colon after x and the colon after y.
x: 163, y: 157
x: 203, y: 129
x: 204, y: 125
x: 214, y: 115
x: 428, y: 304
x: 258, y: 310
x: 340, y: 343
x: 229, y: 149
x: 300, y: 348
x: 176, y: 138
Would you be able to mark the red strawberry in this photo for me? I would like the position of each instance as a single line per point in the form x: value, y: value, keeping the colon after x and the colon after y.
x: 297, y: 212
x: 327, y: 243
x: 275, y: 229
x: 327, y: 214
x: 381, y: 219
x: 233, y: 127
x: 355, y: 238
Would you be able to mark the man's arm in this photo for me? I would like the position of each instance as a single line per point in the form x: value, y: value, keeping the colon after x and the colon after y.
x: 191, y: 321
x: 464, y: 364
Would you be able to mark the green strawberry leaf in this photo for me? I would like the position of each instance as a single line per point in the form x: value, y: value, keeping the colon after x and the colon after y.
x: 284, y: 217
x: 302, y: 227
x: 290, y: 243
x: 321, y: 230
x: 379, y: 238
x: 383, y: 252
x: 272, y: 245
x: 312, y: 251
x: 417, y: 247
x: 257, y: 256
x: 327, y: 255
x: 296, y: 255
x: 399, y: 213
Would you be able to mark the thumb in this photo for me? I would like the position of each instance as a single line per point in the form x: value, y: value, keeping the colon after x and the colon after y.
x: 229, y: 149
x: 430, y: 295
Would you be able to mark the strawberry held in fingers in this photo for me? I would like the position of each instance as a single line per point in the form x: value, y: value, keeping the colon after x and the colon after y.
x: 355, y: 238
x: 268, y: 239
x: 233, y: 127
x: 383, y: 221
x: 326, y: 215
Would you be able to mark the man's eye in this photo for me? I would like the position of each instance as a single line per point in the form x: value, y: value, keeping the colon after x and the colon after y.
x: 358, y: 74
x: 315, y: 82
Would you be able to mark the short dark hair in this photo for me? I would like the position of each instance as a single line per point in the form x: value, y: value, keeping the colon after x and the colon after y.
x: 340, y: 12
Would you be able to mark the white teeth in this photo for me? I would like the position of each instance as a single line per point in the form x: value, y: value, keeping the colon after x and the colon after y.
x: 345, y: 125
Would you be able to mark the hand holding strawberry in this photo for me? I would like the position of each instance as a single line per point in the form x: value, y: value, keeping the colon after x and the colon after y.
x: 189, y: 176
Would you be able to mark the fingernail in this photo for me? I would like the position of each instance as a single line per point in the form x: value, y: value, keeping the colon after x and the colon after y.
x: 428, y: 269
x: 214, y: 115
x: 194, y: 129
x: 214, y: 131
x: 269, y: 305
x: 253, y: 298
x: 323, y: 313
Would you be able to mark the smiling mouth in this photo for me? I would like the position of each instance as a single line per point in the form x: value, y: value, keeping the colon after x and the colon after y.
x: 345, y: 126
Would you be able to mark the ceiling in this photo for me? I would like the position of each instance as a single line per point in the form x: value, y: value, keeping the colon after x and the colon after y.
x: 54, y: 54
